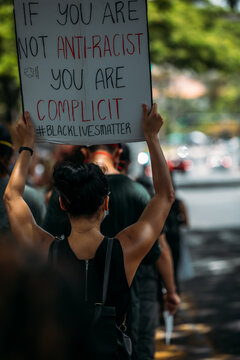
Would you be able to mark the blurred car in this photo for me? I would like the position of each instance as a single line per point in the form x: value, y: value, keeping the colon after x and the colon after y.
x: 217, y: 161
x: 181, y: 165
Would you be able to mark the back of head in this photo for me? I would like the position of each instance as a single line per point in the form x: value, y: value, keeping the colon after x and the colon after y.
x: 105, y: 154
x: 6, y: 149
x: 82, y: 187
x: 69, y: 153
x: 110, y: 148
x: 125, y: 158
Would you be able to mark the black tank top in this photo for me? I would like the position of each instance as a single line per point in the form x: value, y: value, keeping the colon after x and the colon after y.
x: 85, y: 277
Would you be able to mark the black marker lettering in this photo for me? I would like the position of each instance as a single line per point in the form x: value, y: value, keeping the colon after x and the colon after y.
x: 56, y: 78
x: 30, y: 4
x: 118, y: 78
x: 64, y: 12
x: 130, y: 18
x: 118, y: 8
x: 108, y: 13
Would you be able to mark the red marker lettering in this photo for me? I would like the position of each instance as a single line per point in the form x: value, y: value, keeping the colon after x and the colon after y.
x: 95, y: 45
x: 98, y: 106
x: 39, y: 117
x: 74, y: 107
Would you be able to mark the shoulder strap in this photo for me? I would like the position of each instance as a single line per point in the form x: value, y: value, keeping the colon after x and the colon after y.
x: 107, y: 269
x: 55, y: 250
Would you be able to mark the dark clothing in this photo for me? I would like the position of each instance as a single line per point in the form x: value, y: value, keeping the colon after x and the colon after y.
x: 148, y: 322
x: 56, y: 221
x: 32, y: 197
x: 173, y: 224
x: 147, y: 280
x: 127, y: 201
x: 88, y: 282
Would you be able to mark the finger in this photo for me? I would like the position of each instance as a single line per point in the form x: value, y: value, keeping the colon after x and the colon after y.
x: 21, y: 121
x: 145, y: 110
x: 154, y: 109
x: 27, y: 117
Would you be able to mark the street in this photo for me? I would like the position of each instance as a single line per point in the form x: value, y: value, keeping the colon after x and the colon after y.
x: 207, y: 325
x: 211, y: 202
x: 214, y: 290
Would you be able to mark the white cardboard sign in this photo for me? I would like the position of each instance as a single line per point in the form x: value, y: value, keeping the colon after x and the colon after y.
x: 84, y: 68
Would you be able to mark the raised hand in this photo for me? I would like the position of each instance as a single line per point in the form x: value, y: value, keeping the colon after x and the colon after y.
x: 152, y: 122
x: 25, y: 130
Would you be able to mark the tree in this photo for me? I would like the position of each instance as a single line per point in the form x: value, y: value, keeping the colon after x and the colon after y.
x: 233, y: 4
x: 9, y: 79
x: 188, y: 35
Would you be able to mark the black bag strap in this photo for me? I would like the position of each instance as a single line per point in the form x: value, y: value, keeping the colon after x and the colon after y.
x: 55, y: 250
x: 107, y: 269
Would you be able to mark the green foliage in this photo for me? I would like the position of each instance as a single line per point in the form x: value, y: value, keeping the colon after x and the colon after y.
x: 188, y: 35
x: 8, y: 56
x: 9, y: 79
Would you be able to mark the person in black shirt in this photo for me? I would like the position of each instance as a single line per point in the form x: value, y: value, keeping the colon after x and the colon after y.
x: 84, y: 193
x: 127, y: 200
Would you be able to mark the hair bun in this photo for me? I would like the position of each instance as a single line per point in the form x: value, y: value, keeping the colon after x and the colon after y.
x: 82, y: 187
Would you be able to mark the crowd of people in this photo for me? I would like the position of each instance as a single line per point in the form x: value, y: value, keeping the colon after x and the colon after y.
x: 82, y: 265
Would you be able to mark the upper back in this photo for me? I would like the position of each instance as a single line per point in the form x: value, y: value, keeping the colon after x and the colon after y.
x: 86, y: 276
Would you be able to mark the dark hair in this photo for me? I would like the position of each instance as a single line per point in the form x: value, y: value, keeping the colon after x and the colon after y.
x: 82, y: 187
x: 6, y: 149
x: 125, y: 157
x: 110, y: 148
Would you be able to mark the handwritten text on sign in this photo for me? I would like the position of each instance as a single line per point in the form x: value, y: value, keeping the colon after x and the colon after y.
x: 84, y: 68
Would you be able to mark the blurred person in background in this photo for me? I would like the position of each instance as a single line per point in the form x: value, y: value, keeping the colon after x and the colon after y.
x: 145, y: 178
x: 33, y: 198
x: 145, y: 284
x: 124, y: 159
x: 40, y: 173
x: 37, y: 309
x: 176, y: 219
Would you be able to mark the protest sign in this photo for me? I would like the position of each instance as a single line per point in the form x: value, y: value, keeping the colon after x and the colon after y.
x: 84, y: 68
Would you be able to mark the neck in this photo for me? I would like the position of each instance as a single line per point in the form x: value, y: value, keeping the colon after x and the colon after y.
x: 84, y: 225
x: 85, y: 237
x: 104, y: 160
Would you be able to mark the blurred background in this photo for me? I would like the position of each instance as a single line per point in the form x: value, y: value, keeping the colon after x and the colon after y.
x: 195, y: 64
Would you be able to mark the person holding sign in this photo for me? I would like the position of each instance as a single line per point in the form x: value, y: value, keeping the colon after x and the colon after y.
x: 84, y: 195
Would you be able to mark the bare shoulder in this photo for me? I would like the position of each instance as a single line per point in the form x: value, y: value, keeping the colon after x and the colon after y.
x: 133, y: 238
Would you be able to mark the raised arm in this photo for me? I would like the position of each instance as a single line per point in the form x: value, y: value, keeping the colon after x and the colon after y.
x: 23, y: 225
x: 137, y: 239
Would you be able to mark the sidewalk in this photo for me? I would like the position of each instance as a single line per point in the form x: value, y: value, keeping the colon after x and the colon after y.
x: 189, y: 340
